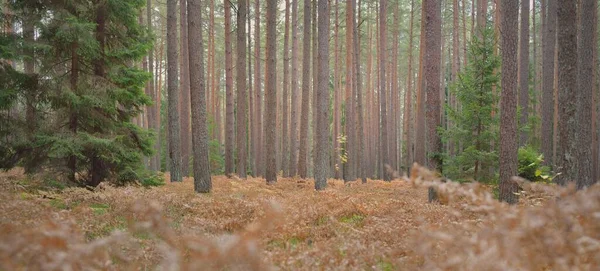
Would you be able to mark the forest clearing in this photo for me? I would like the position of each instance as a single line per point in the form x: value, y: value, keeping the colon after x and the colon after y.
x: 249, y: 225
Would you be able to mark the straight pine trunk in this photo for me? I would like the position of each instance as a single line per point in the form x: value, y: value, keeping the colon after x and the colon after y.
x: 322, y: 93
x: 508, y: 101
x: 295, y: 104
x: 271, y: 94
x: 173, y: 92
x: 242, y: 94
x: 302, y: 158
x: 229, y: 116
x: 202, y: 181
x: 285, y: 159
x: 184, y: 84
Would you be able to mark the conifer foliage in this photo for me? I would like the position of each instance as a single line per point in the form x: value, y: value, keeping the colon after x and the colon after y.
x: 85, y: 89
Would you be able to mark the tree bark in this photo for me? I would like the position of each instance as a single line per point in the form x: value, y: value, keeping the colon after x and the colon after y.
x: 258, y: 97
x: 408, y: 128
x: 184, y: 85
x: 202, y: 181
x: 152, y: 113
x: 322, y: 92
x: 229, y: 116
x: 242, y: 94
x: 433, y: 27
x: 585, y: 102
x: 360, y: 140
x: 350, y: 167
x: 293, y: 164
x: 508, y: 101
x: 524, y: 71
x: 420, y: 114
x: 337, y: 108
x: 271, y: 94
x: 285, y: 93
x: 567, y: 92
x: 549, y: 39
x: 173, y: 92
x: 382, y: 89
x: 302, y: 158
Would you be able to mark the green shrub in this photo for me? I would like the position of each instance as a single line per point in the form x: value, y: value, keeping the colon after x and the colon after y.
x: 531, y: 165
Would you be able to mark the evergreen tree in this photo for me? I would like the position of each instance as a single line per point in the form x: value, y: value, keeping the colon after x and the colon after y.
x: 474, y: 124
x: 87, y: 90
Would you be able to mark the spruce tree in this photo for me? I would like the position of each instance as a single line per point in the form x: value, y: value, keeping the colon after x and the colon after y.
x: 474, y: 124
x: 88, y: 89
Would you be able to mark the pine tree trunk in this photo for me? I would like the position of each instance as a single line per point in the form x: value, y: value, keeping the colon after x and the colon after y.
x: 173, y: 93
x: 295, y: 104
x: 242, y: 95
x: 508, y: 101
x: 271, y: 94
x: 315, y: 82
x: 382, y: 90
x: 420, y: 114
x: 585, y: 77
x: 360, y: 138
x: 152, y: 113
x: 433, y: 27
x: 202, y: 182
x: 549, y: 39
x: 322, y: 93
x: 337, y: 162
x: 258, y: 97
x: 455, y: 67
x: 349, y: 169
x: 229, y: 107
x: 284, y: 114
x: 567, y: 92
x: 408, y: 128
x: 302, y: 158
x: 184, y: 85
x: 524, y: 71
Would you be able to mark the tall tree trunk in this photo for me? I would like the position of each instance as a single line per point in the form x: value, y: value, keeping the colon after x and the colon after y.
x: 549, y: 39
x: 173, y: 92
x: 420, y: 114
x: 508, y: 103
x: 184, y: 85
x: 585, y: 106
x: 524, y: 71
x: 202, y: 182
x: 286, y: 73
x: 382, y: 89
x: 350, y: 167
x: 433, y: 27
x: 229, y: 116
x: 251, y: 103
x: 360, y: 139
x: 293, y: 164
x: 322, y: 92
x: 567, y: 93
x: 337, y: 162
x: 271, y: 94
x: 455, y: 67
x: 258, y: 117
x: 152, y: 113
x: 408, y: 128
x: 315, y: 82
x: 242, y: 95
x: 302, y: 158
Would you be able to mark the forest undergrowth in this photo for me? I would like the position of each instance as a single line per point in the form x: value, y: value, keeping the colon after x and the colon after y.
x: 248, y: 225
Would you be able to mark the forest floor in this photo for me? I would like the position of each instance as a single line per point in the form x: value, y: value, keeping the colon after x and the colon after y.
x: 241, y: 225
